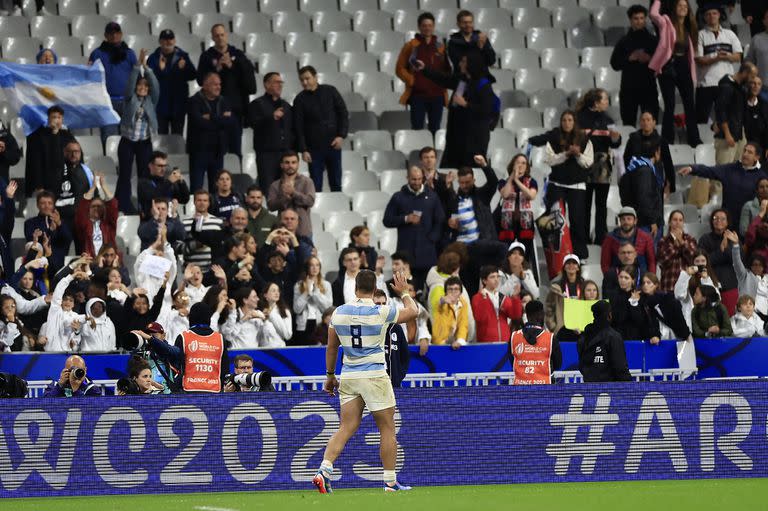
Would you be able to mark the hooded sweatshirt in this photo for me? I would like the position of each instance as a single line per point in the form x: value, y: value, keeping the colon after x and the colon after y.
x: 58, y: 328
x: 601, y: 352
x: 97, y: 333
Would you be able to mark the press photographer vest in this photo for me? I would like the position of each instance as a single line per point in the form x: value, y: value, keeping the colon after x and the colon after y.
x: 202, y: 362
x: 531, y: 362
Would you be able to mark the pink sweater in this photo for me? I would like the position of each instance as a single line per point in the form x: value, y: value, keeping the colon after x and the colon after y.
x: 667, y: 38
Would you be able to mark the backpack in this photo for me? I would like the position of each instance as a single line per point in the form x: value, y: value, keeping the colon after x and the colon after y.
x: 496, y: 114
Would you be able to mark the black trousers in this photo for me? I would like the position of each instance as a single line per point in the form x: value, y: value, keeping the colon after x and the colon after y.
x: 632, y: 99
x: 600, y: 192
x: 677, y: 74
x: 576, y: 201
x: 268, y: 167
x: 481, y: 253
x: 705, y: 100
x: 173, y: 125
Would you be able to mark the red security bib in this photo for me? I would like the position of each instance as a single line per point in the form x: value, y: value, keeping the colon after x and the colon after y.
x: 202, y: 362
x: 531, y: 363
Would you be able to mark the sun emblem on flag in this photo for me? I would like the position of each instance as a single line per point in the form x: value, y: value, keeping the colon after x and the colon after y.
x: 47, y: 93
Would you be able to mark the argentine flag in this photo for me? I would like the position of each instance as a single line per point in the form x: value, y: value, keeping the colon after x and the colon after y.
x: 79, y: 90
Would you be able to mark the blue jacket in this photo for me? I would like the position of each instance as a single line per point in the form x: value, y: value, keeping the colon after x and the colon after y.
x: 116, y: 73
x: 174, y: 89
x: 420, y: 240
x: 132, y: 102
x: 738, y: 185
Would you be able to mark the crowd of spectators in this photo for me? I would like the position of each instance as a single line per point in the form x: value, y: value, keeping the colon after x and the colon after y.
x: 471, y: 260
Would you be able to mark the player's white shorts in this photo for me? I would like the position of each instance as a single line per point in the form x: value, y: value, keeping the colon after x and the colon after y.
x: 376, y: 392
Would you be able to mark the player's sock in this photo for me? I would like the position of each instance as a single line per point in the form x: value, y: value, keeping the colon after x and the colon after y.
x: 390, y: 478
x: 326, y: 466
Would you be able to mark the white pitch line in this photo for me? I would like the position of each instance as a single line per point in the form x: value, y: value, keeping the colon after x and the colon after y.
x: 208, y: 508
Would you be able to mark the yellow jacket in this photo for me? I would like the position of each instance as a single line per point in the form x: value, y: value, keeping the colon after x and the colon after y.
x: 450, y: 322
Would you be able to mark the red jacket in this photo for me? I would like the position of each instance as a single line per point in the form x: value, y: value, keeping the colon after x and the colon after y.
x: 646, y: 255
x: 492, y: 327
x: 84, y: 227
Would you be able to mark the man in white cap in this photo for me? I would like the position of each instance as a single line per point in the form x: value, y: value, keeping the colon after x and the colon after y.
x: 627, y: 232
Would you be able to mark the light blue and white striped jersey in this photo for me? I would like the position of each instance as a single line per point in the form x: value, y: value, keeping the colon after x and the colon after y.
x: 469, y: 232
x: 362, y: 326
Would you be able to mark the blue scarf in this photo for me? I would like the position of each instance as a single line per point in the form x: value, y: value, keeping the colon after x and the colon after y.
x: 640, y: 161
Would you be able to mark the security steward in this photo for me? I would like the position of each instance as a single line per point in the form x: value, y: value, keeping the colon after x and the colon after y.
x: 535, y: 352
x: 601, y: 349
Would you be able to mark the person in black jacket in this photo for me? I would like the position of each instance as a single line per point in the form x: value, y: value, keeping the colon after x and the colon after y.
x: 468, y: 41
x: 45, y: 151
x: 396, y: 353
x: 271, y: 118
x: 631, y: 56
x: 601, y: 350
x: 322, y: 123
x: 158, y: 186
x: 470, y: 110
x: 237, y: 80
x: 753, y: 12
x: 642, y: 188
x: 730, y: 107
x: 10, y: 154
x: 664, y: 308
x: 210, y: 123
x: 643, y: 140
x: 173, y: 69
x: 756, y: 116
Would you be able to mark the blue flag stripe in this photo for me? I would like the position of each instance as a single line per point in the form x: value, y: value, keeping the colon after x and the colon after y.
x: 56, y: 75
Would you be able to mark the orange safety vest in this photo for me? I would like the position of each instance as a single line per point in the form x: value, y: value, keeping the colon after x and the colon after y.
x: 202, y: 362
x: 531, y: 362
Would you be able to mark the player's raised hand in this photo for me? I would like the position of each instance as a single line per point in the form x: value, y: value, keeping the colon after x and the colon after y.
x: 400, y: 283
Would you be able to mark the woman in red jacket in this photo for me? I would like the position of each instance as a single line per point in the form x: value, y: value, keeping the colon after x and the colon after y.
x: 492, y: 310
x: 96, y: 219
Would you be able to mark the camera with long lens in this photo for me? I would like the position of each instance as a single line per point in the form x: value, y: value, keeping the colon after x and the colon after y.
x: 128, y: 386
x: 261, y: 381
x: 11, y: 386
x: 79, y: 373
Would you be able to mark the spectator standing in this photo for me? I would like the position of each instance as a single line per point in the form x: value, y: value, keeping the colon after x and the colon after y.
x: 225, y: 200
x: 514, y: 216
x: 493, y: 311
x: 673, y: 63
x: 210, y: 124
x: 271, y: 118
x: 756, y: 238
x: 425, y: 97
x: 754, y: 13
x: 664, y: 309
x: 631, y: 56
x: 200, y: 228
x: 718, y: 50
x: 601, y: 349
x: 719, y: 255
x: 45, y: 151
x: 739, y: 179
x: 238, y: 80
x: 450, y: 324
x: 322, y: 123
x: 754, y: 207
x: 417, y: 215
x: 173, y: 69
x: 569, y: 152
x: 49, y: 222
x: 244, y: 325
x: 10, y: 154
x: 470, y: 42
x: 260, y: 220
x: 642, y: 188
x: 643, y: 141
x: 278, y: 323
x: 752, y: 282
x: 628, y: 231
x: 471, y: 110
x: 159, y: 218
x: 312, y: 295
x: 756, y: 116
x: 535, y: 353
x: 730, y: 108
x: 173, y: 189
x: 675, y: 252
x: 516, y: 275
x: 758, y: 47
x: 139, y: 121
x: 74, y: 180
x: 599, y: 127
x: 570, y: 284
x: 344, y: 286
x: 118, y: 61
x: 95, y: 219
x: 293, y: 191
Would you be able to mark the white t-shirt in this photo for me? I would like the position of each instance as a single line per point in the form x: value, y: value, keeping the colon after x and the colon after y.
x: 709, y: 45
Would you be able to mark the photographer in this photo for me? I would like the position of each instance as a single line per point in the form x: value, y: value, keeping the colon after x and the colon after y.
x: 139, y: 379
x: 239, y: 381
x: 198, y: 354
x: 73, y: 381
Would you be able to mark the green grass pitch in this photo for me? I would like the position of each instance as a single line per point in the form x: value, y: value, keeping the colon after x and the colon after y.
x: 698, y: 495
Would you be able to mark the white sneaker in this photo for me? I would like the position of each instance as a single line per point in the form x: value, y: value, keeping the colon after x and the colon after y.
x: 16, y: 11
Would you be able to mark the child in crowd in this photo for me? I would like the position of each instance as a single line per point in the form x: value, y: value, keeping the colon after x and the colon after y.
x: 745, y: 323
x: 709, y: 317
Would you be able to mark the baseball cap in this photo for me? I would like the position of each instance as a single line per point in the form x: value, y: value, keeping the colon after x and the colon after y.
x: 155, y: 328
x: 571, y: 257
x: 627, y: 210
x: 112, y: 27
x: 514, y: 245
x: 167, y: 34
